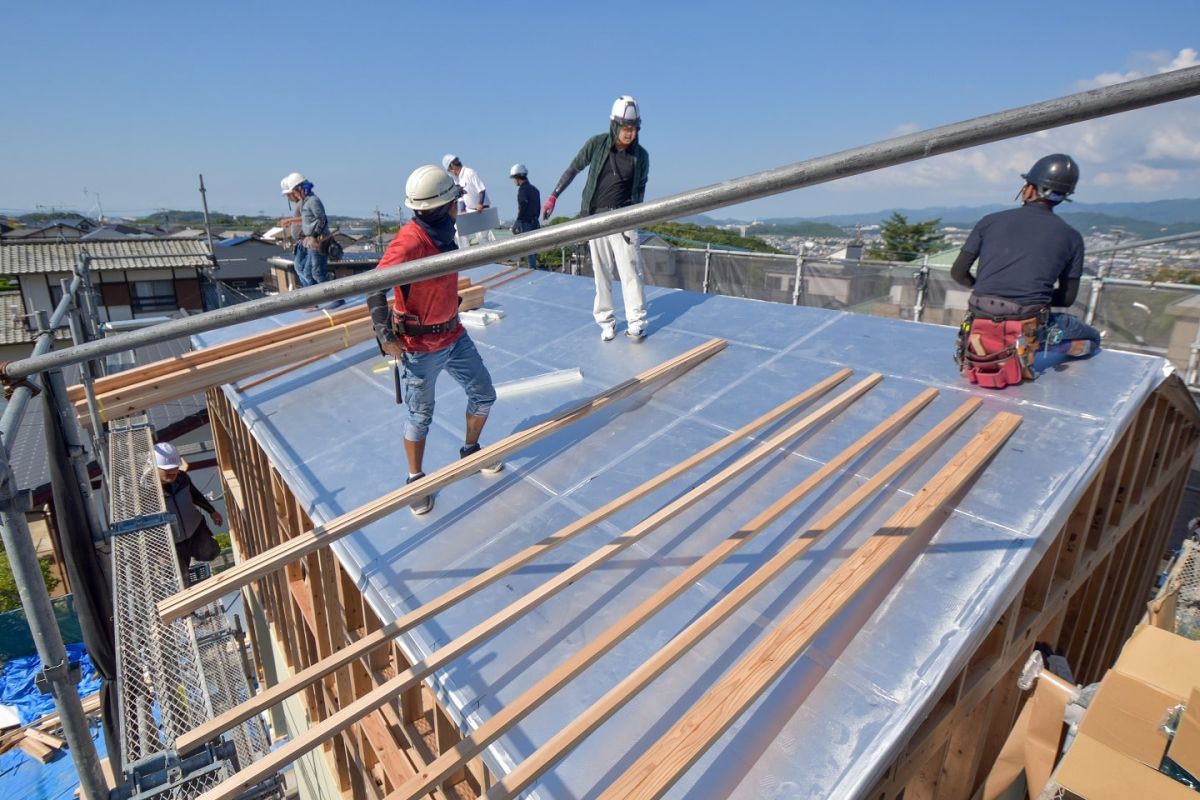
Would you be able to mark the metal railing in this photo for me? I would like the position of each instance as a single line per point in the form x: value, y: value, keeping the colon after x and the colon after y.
x: 1153, y: 317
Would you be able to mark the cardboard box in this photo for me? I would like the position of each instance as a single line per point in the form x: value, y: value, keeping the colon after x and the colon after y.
x: 1120, y: 743
x: 1185, y: 749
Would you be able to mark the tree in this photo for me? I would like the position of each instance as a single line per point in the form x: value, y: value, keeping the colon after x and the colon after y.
x: 902, y: 241
x: 9, y: 597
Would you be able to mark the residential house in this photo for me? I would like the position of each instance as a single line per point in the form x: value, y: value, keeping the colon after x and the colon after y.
x: 117, y: 231
x: 133, y: 277
x: 71, y: 228
x: 242, y: 263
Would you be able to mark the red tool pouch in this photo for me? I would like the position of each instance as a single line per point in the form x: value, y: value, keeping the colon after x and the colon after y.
x: 999, y: 352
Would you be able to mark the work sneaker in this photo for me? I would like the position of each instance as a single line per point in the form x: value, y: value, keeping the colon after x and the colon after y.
x: 422, y: 505
x: 608, y: 332
x: 636, y: 333
x: 472, y: 449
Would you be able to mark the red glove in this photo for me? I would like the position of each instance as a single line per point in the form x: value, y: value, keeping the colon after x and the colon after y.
x: 548, y: 208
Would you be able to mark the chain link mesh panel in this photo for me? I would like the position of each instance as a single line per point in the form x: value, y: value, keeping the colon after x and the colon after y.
x: 163, y: 691
x: 1145, y: 320
x: 1140, y: 318
x: 221, y: 663
x: 1187, y: 609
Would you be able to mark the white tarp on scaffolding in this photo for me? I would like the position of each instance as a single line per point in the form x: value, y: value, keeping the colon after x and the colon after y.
x: 834, y: 721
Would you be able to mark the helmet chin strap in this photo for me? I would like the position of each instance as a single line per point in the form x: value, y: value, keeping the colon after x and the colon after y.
x: 1040, y: 193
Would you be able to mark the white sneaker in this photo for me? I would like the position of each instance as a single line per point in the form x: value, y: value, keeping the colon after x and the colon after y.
x: 636, y: 333
x: 608, y: 332
x: 421, y: 505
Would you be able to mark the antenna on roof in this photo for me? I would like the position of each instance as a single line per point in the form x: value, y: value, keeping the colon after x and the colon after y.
x: 99, y: 207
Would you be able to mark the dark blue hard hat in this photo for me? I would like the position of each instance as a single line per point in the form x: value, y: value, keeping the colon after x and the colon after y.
x: 1057, y: 173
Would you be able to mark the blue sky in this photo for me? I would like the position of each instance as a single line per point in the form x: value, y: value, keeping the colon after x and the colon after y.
x: 133, y: 100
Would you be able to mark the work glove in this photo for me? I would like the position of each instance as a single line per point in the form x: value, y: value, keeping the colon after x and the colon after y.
x: 548, y: 208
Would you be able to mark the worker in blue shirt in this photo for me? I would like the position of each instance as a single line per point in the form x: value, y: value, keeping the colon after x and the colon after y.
x: 1030, y: 261
x: 529, y: 204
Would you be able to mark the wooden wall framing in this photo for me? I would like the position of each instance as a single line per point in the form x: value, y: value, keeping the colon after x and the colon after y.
x: 1084, y: 598
x: 314, y: 608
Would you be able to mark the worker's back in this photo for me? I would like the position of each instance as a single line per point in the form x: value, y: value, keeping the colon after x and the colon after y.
x: 1023, y: 252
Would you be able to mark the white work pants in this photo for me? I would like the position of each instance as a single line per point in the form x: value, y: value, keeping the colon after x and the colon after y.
x: 613, y: 255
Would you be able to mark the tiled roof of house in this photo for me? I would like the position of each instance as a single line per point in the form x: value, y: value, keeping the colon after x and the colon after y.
x: 31, y: 258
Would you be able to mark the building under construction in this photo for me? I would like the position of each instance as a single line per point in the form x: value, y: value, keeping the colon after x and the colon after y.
x: 769, y: 551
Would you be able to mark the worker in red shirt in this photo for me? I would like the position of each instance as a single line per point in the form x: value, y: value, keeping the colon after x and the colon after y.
x: 422, y: 327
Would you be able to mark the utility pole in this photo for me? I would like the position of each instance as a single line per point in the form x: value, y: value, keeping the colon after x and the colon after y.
x: 378, y: 228
x: 212, y: 255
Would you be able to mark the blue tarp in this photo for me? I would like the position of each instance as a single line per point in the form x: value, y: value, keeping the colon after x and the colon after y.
x: 21, y: 776
x: 24, y: 778
x: 17, y: 687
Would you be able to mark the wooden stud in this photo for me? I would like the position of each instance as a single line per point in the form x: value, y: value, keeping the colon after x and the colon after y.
x: 1055, y: 620
x: 210, y: 590
x: 522, y: 272
x: 663, y: 762
x: 963, y: 752
x: 509, y: 565
x: 584, y: 724
x: 483, y: 631
x: 196, y: 358
x: 140, y: 396
x: 36, y: 750
x: 47, y: 739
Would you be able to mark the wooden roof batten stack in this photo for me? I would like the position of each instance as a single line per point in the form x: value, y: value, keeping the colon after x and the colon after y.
x: 276, y: 353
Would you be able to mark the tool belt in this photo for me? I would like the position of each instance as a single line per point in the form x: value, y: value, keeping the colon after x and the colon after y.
x: 998, y: 340
x: 409, y: 325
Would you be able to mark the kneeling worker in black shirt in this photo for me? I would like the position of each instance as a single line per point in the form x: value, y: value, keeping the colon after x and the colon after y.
x: 1029, y: 261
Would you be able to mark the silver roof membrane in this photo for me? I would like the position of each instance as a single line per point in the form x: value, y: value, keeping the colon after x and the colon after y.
x: 836, y: 718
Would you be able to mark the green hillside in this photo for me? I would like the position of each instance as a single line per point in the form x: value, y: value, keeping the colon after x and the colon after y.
x: 685, y: 234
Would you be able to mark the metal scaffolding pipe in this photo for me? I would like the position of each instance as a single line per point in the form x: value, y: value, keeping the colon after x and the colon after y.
x: 27, y: 575
x: 15, y: 410
x: 1186, y: 287
x: 1179, y: 237
x: 1101, y: 102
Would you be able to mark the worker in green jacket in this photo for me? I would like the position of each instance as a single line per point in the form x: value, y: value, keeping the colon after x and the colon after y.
x: 618, y: 167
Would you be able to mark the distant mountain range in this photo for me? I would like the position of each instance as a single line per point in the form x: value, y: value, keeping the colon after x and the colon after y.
x: 1155, y: 218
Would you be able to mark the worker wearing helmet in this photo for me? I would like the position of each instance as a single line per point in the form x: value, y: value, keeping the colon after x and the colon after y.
x: 309, y: 226
x: 1030, y: 260
x: 475, y: 196
x: 192, y: 536
x: 618, y: 167
x: 422, y: 327
x: 529, y: 202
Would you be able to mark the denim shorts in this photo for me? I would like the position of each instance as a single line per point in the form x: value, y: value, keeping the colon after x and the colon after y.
x: 421, y: 371
x: 1073, y: 327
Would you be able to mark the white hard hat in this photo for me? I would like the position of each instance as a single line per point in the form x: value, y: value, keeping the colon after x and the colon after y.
x: 429, y: 187
x: 518, y: 169
x: 625, y: 111
x: 448, y: 159
x: 166, y: 456
x: 292, y: 180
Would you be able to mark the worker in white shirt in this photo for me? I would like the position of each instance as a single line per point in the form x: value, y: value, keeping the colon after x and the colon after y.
x: 475, y: 197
